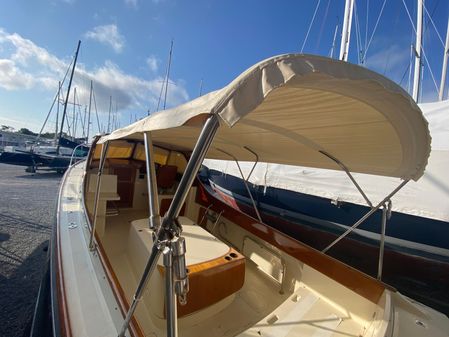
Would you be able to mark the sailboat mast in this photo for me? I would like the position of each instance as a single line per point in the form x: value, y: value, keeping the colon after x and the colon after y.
x: 67, y: 98
x: 417, y: 73
x: 444, y: 70
x: 346, y: 31
x: 57, y: 111
x: 331, y: 54
x: 168, y: 73
x: 109, y: 114
x: 90, y: 107
x: 75, y: 116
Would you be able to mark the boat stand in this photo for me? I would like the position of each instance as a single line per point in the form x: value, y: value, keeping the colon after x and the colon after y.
x: 168, y: 241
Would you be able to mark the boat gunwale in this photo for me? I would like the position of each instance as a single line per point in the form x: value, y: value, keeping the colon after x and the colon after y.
x: 349, y: 277
x: 61, y: 327
x: 119, y: 294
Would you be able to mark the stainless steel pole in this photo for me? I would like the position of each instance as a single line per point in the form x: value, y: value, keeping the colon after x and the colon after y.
x: 104, y: 150
x: 170, y: 297
x: 198, y: 154
x: 153, y: 199
x: 385, y: 210
x: 156, y: 252
x: 165, y: 232
x: 366, y: 216
x: 245, y: 181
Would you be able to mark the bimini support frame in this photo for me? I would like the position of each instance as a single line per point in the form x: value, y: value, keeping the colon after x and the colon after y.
x: 367, y: 215
x: 103, y: 154
x: 386, y: 214
x: 153, y: 200
x: 348, y: 173
x: 245, y: 180
x: 169, y: 242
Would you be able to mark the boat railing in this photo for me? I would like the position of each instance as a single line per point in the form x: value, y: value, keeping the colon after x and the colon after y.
x: 74, y: 156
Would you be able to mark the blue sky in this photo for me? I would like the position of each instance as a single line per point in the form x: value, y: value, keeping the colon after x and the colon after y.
x: 125, y: 46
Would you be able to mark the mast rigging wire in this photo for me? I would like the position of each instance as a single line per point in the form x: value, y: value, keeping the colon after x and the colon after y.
x: 374, y: 30
x: 431, y: 21
x: 310, y: 25
x: 358, y: 35
x: 323, y: 22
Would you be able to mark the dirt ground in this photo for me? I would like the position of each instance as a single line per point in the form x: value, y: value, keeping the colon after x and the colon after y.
x: 27, y: 207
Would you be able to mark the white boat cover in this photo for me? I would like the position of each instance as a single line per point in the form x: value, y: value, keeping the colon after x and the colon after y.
x: 290, y: 108
x: 428, y: 197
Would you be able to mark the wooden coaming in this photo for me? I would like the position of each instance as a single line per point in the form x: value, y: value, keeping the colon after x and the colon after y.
x: 59, y: 272
x: 349, y: 277
x: 211, y: 281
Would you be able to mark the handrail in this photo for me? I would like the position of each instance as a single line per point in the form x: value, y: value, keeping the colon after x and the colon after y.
x: 73, y: 154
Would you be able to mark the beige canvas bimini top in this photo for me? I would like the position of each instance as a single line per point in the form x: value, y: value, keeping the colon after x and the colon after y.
x: 290, y: 108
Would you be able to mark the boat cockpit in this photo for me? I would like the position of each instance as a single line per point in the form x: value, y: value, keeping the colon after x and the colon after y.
x: 235, y: 277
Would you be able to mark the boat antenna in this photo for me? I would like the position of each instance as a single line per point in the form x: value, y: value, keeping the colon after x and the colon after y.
x: 67, y: 98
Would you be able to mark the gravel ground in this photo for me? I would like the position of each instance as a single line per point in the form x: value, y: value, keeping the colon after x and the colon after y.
x: 27, y: 205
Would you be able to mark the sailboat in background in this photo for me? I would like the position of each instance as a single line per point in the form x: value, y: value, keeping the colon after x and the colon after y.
x: 322, y: 208
x: 55, y: 157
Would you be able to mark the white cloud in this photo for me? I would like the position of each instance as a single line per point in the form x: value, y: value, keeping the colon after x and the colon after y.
x: 131, y: 3
x: 153, y: 63
x: 12, y: 78
x: 109, y: 35
x: 129, y: 91
x: 26, y: 66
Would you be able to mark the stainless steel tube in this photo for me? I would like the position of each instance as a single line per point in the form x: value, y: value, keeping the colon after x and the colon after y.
x: 170, y: 297
x: 156, y: 251
x: 382, y: 242
x: 104, y: 150
x: 366, y: 216
x: 153, y: 200
x: 198, y: 154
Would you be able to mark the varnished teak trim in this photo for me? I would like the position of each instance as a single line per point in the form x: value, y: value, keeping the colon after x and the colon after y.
x: 349, y: 277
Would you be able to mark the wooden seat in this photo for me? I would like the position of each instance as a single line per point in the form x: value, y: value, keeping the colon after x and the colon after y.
x: 215, y: 270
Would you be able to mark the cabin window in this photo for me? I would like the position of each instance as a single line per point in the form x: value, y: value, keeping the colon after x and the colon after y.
x: 177, y: 159
x: 160, y: 155
x: 118, y: 149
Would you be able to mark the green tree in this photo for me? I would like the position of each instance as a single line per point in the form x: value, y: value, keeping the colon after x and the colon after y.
x: 25, y: 131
